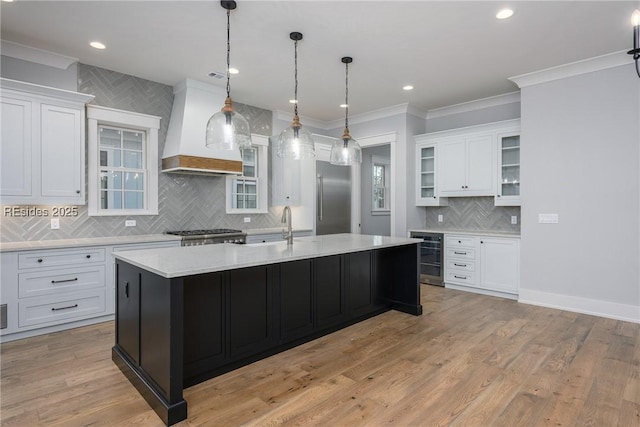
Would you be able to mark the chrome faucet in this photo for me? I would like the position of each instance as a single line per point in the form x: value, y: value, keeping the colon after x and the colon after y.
x: 288, y: 236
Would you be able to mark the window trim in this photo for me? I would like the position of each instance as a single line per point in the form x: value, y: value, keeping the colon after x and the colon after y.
x: 386, y: 163
x: 98, y: 115
x: 261, y: 143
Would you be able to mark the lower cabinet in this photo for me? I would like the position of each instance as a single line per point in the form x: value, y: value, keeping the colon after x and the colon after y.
x: 295, y: 298
x: 485, y: 264
x: 128, y: 319
x: 329, y: 287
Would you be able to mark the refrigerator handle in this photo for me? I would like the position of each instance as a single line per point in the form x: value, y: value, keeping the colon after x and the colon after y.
x: 320, y: 192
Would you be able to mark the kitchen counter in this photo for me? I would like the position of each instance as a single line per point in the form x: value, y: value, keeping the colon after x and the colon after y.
x: 276, y: 230
x: 469, y: 232
x: 191, y: 260
x: 187, y: 314
x: 88, y: 241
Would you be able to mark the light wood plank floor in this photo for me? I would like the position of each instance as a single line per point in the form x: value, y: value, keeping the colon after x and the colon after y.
x: 470, y: 360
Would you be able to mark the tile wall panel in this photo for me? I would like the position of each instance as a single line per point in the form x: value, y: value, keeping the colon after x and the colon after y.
x: 473, y: 214
x: 185, y: 201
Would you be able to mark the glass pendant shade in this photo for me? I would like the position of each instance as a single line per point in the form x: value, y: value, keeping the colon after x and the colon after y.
x: 228, y: 130
x: 295, y: 142
x: 345, y: 151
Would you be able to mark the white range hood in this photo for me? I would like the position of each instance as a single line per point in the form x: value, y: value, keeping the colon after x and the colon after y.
x: 185, y: 151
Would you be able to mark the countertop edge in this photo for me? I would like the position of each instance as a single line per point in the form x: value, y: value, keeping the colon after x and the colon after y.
x: 468, y: 232
x: 84, y: 242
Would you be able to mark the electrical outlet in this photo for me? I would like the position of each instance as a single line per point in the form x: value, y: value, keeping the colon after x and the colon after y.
x: 514, y: 219
x: 55, y: 223
x: 548, y: 218
x: 130, y: 223
x: 247, y: 219
x: 440, y: 218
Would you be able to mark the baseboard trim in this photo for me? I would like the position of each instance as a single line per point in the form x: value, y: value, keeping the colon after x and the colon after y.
x: 611, y: 310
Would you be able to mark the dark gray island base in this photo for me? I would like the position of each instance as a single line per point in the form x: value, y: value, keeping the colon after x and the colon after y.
x: 175, y: 332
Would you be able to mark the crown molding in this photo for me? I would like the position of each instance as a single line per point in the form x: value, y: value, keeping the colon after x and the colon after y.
x: 478, y: 104
x: 571, y: 69
x: 39, y: 56
x: 287, y: 116
x: 393, y: 110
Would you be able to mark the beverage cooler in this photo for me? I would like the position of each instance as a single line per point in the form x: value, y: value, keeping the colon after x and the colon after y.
x: 431, y: 257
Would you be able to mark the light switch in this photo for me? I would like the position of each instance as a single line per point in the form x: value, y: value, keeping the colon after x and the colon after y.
x: 440, y: 218
x: 247, y: 219
x: 55, y: 223
x: 130, y: 223
x: 548, y: 218
x: 514, y: 219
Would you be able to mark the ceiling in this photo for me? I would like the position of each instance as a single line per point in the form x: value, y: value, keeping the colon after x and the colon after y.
x: 450, y: 51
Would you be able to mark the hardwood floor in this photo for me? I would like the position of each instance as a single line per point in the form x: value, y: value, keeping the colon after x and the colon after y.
x: 470, y: 360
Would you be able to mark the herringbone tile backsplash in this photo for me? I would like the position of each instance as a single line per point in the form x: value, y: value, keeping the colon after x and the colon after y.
x: 473, y: 214
x: 184, y: 201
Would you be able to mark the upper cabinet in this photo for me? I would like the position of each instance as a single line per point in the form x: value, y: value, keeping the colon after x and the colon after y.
x: 43, y: 147
x: 426, y: 176
x: 285, y: 179
x: 467, y: 166
x: 508, y: 193
x: 481, y: 160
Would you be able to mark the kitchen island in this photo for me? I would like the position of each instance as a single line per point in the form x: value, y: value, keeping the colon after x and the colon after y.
x: 188, y: 314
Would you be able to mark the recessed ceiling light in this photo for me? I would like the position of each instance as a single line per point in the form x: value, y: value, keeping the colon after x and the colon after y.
x: 407, y: 87
x: 293, y: 101
x: 343, y: 105
x: 504, y: 14
x: 97, y: 45
x: 8, y: 1
x: 233, y: 71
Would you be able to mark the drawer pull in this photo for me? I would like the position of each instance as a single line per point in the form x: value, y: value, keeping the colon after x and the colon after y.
x: 460, y: 277
x: 39, y: 259
x: 460, y: 253
x: 66, y: 280
x: 459, y: 265
x: 88, y: 256
x: 64, y: 308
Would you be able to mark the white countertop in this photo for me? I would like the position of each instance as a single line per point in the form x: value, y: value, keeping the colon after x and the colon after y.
x: 256, y: 231
x: 191, y: 260
x: 88, y: 241
x: 470, y: 232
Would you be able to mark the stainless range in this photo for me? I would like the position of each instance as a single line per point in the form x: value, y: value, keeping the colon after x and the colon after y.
x: 209, y: 237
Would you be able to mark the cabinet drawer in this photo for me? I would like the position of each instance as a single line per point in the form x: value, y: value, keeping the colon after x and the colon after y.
x: 57, y: 309
x: 45, y: 259
x: 461, y: 254
x: 461, y: 277
x: 49, y: 282
x: 454, y: 242
x: 460, y: 265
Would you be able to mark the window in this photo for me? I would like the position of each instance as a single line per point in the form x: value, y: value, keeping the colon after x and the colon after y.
x: 123, y: 162
x: 380, y: 184
x: 248, y: 193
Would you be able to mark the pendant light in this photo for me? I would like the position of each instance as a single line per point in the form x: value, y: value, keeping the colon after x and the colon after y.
x: 295, y: 142
x: 227, y: 129
x: 346, y: 151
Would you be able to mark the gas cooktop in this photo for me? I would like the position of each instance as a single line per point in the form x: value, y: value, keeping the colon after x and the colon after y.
x: 209, y: 232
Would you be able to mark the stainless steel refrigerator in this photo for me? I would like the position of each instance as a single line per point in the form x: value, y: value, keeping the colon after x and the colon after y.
x: 334, y: 198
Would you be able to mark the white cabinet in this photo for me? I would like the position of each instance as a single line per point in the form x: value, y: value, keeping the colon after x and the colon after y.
x: 55, y: 289
x: 467, y: 166
x: 285, y: 179
x: 500, y: 264
x: 426, y: 173
x: 508, y: 190
x: 43, y: 144
x: 483, y: 264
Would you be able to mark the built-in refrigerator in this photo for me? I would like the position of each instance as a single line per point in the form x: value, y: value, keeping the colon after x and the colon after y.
x: 333, y: 205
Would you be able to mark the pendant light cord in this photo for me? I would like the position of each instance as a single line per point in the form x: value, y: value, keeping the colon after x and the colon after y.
x: 228, y: 53
x: 346, y: 96
x: 295, y: 75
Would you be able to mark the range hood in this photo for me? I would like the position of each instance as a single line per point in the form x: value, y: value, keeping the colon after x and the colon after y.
x: 194, y: 103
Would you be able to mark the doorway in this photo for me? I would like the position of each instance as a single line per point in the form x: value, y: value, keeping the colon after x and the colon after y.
x: 375, y: 200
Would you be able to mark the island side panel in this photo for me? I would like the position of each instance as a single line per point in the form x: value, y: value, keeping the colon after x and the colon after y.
x: 157, y: 372
x: 397, y: 275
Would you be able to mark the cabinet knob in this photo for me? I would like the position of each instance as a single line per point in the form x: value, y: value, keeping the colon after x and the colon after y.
x: 88, y: 256
x: 481, y: 241
x: 498, y: 195
x: 39, y: 259
x: 77, y: 191
x: 434, y: 197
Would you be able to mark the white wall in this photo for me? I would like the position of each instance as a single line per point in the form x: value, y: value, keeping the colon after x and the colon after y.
x: 580, y: 159
x: 17, y: 69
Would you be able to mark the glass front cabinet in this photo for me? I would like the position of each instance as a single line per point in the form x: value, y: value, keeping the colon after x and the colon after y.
x: 508, y: 189
x: 426, y: 177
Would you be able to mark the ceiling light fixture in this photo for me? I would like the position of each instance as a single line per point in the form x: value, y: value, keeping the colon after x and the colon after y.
x: 97, y: 45
x: 407, y: 87
x: 635, y: 21
x: 504, y: 14
x: 227, y: 129
x: 295, y: 142
x: 346, y: 151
